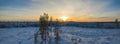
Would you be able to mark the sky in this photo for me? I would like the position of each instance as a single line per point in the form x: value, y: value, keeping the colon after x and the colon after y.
x: 75, y: 10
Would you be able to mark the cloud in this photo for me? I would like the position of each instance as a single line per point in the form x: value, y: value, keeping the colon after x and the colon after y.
x: 57, y: 8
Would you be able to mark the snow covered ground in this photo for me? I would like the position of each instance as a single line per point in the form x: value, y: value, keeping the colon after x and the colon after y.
x: 68, y: 35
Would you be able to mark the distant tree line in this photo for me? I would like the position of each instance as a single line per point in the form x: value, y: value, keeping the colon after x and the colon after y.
x: 113, y: 24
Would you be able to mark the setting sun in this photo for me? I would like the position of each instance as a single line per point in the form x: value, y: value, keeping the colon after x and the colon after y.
x: 64, y: 18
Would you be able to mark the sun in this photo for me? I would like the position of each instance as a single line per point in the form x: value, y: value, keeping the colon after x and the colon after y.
x: 64, y: 18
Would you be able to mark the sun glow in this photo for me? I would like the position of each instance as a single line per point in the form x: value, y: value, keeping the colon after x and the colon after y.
x: 64, y: 18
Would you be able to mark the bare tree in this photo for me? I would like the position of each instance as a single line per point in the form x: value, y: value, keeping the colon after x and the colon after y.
x: 57, y: 36
x: 117, y: 23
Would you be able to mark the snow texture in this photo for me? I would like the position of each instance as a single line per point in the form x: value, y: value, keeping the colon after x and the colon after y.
x: 68, y: 35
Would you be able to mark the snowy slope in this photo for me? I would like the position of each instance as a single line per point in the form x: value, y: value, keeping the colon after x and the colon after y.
x: 91, y: 36
x: 17, y: 35
x: 68, y: 35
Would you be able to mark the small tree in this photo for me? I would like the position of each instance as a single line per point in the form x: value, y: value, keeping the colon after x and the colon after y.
x: 116, y: 20
x: 44, y: 30
x: 44, y: 27
x: 117, y: 23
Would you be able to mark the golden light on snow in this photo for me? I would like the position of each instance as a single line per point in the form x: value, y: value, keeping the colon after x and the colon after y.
x: 64, y: 18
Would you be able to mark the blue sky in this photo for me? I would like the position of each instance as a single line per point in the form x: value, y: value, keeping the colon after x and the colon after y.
x: 75, y: 10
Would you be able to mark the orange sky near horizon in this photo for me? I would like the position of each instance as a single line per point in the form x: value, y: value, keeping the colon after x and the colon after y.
x: 70, y: 18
